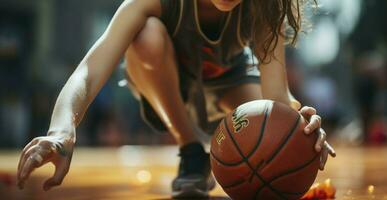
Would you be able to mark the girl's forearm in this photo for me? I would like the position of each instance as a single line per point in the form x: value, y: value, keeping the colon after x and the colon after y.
x: 98, y: 65
x: 294, y: 103
x: 73, y: 101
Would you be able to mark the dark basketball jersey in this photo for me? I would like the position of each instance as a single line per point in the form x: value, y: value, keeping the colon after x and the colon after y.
x: 201, y: 59
x: 196, y: 52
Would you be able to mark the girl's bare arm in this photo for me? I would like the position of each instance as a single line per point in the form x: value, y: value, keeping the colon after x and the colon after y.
x: 99, y: 62
x: 274, y: 78
x: 80, y: 90
x: 275, y: 86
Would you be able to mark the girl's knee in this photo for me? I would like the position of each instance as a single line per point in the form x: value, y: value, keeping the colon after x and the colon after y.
x: 152, y: 41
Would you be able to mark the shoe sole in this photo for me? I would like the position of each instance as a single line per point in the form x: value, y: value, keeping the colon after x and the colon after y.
x: 189, y: 190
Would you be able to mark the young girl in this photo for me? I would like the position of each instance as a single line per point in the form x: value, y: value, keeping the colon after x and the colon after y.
x: 188, y: 61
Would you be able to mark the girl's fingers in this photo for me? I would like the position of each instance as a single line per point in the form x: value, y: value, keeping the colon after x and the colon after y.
x: 314, y: 123
x: 331, y: 151
x: 32, y: 162
x: 323, y: 158
x: 34, y: 158
x: 23, y: 159
x: 322, y: 136
x: 307, y: 111
x: 327, y: 150
x: 61, y: 170
x: 26, y: 148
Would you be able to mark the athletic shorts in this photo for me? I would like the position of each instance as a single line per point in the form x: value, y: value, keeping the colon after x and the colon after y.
x: 243, y: 71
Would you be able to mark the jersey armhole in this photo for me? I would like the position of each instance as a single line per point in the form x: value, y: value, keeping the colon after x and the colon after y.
x: 242, y: 42
x: 171, y: 15
x: 181, y: 9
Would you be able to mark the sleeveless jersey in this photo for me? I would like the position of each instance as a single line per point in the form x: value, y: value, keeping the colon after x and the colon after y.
x: 198, y: 56
x: 195, y: 51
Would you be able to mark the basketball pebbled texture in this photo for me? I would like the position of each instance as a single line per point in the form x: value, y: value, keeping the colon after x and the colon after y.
x: 260, y: 151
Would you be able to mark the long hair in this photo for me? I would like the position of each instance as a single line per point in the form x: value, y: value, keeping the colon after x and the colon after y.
x: 264, y: 21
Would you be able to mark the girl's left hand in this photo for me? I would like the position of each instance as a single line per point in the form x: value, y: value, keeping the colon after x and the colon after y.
x: 314, y: 125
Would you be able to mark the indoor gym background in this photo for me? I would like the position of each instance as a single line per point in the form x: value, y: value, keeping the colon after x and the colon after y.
x: 340, y: 68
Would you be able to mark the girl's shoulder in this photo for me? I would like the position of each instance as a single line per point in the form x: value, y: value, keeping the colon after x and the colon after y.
x: 170, y: 5
x: 171, y: 11
x: 147, y: 7
x: 168, y: 11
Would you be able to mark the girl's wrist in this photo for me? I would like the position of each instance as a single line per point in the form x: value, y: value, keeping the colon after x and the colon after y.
x: 296, y: 105
x: 67, y: 133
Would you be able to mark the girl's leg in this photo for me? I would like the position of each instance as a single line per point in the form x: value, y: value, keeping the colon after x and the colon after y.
x: 153, y: 69
x: 238, y: 95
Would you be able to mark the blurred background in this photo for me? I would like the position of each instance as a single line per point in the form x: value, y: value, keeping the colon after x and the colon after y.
x: 339, y: 67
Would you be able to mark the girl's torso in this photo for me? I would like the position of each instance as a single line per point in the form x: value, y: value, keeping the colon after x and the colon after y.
x: 205, y: 46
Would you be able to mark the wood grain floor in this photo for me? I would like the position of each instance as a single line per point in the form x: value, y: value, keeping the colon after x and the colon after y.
x: 139, y: 172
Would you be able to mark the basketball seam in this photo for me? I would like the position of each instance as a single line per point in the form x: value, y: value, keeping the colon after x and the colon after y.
x: 280, y: 147
x: 224, y: 163
x: 263, y: 126
x: 292, y: 131
x: 287, y: 173
x: 234, y: 184
x: 248, y: 163
x: 255, y: 147
x: 255, y: 169
x: 293, y: 171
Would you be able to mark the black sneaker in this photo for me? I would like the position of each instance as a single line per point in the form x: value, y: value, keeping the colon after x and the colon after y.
x: 194, y: 179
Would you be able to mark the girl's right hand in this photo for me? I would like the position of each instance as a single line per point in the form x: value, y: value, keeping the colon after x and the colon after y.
x: 57, y: 149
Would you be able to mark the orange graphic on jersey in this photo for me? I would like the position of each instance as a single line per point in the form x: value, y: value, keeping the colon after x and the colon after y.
x: 208, y: 51
x: 212, y: 70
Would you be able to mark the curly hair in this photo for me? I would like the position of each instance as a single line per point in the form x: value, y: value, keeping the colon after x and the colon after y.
x: 264, y: 22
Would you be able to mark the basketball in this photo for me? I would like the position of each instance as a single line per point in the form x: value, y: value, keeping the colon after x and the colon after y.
x: 260, y: 151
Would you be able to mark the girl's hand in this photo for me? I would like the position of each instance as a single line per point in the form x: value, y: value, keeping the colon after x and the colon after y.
x: 314, y: 125
x: 57, y: 149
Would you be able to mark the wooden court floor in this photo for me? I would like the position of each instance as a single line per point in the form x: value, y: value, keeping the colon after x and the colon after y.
x: 140, y: 172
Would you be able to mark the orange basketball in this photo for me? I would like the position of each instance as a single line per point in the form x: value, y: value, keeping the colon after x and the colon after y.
x: 260, y: 151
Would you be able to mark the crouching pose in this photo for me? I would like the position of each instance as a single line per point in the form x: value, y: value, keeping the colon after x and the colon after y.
x: 189, y: 62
